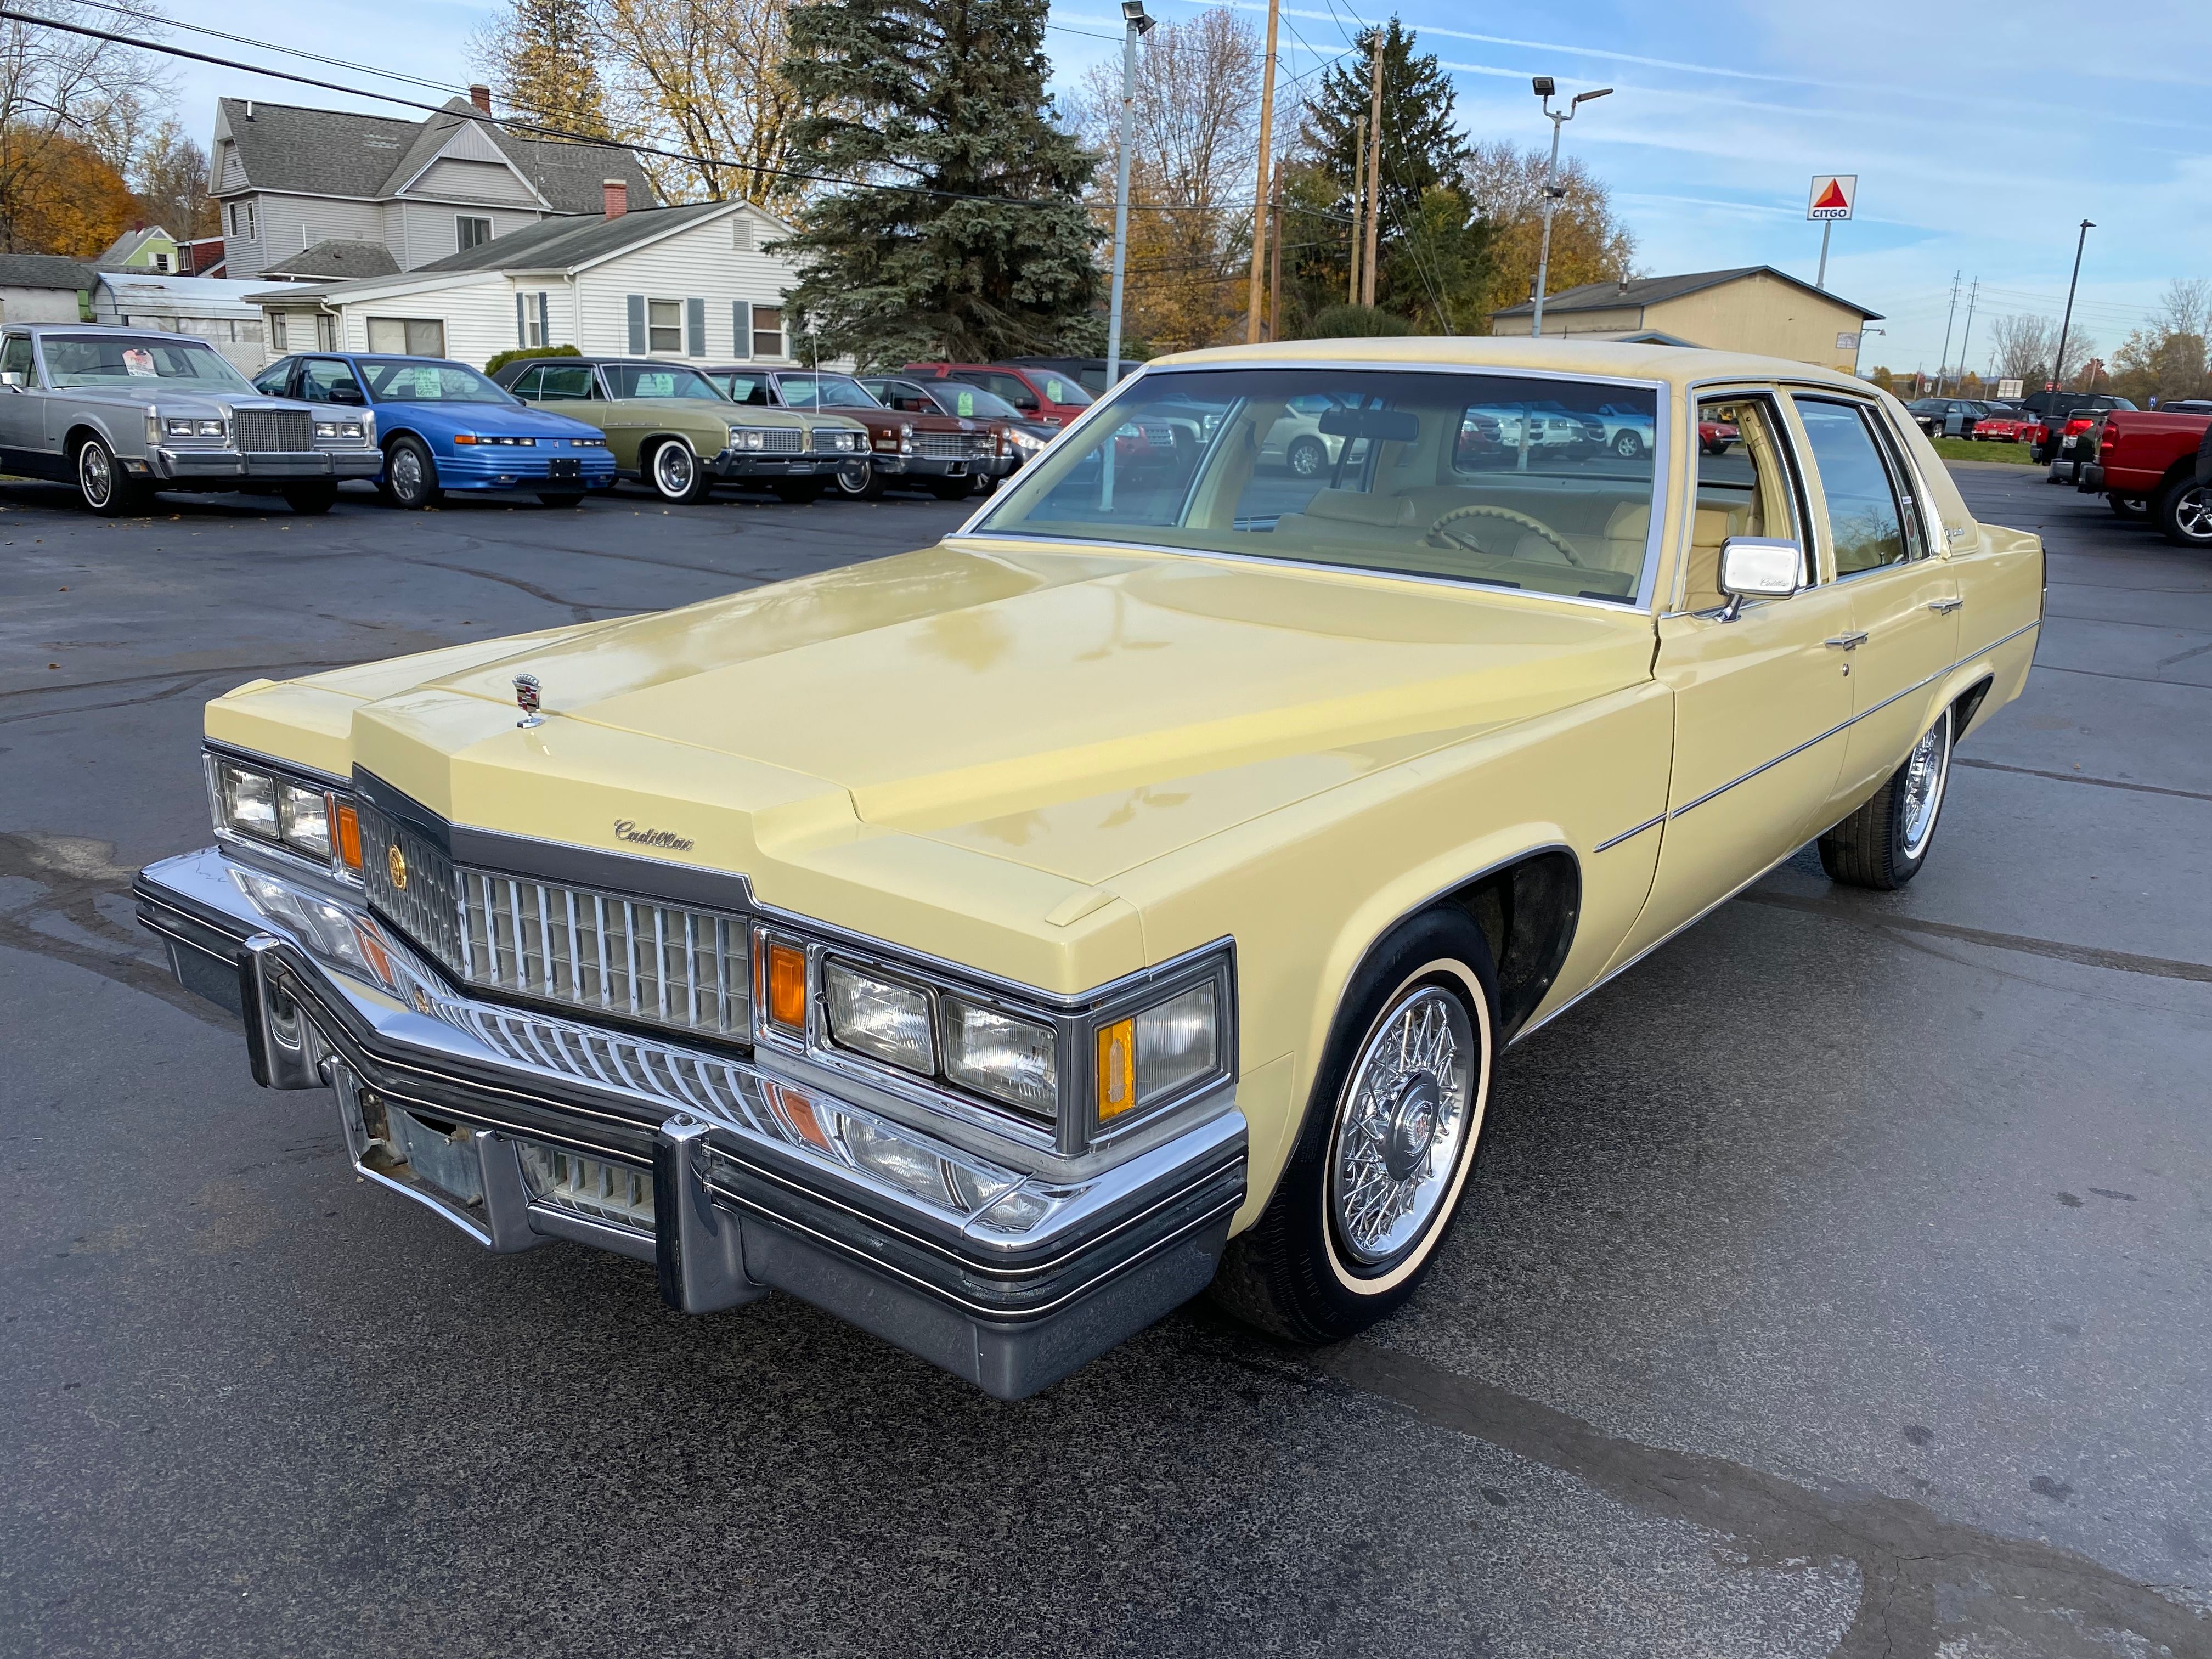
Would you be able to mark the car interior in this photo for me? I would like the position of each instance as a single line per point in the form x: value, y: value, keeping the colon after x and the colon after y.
x: 1744, y: 491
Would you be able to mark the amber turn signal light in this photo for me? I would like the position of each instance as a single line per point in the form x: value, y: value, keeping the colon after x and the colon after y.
x: 1117, y: 1068
x: 786, y: 986
x: 345, y: 835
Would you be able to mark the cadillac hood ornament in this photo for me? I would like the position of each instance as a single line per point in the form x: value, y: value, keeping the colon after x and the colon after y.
x: 526, y: 699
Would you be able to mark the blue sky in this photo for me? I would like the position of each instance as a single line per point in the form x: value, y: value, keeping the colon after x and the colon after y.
x: 1981, y: 136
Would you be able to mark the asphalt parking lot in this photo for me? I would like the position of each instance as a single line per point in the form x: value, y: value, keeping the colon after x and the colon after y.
x: 1838, y: 1281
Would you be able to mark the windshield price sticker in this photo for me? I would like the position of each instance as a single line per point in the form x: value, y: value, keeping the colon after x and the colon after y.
x: 1834, y: 194
x: 137, y: 362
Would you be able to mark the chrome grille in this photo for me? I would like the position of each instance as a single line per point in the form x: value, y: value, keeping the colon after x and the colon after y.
x: 847, y: 442
x: 589, y: 1186
x: 661, y: 964
x: 265, y: 431
x: 950, y: 445
x: 775, y: 439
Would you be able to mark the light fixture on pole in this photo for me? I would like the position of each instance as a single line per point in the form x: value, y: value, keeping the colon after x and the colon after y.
x: 1137, y: 24
x: 1863, y: 332
x: 1545, y: 87
x: 2058, y: 363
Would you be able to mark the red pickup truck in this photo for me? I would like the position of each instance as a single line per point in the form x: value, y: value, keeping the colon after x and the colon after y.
x: 2156, y: 463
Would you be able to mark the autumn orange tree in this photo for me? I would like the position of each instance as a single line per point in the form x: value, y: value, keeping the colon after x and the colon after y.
x: 62, y: 197
x: 71, y: 106
x: 1589, y: 243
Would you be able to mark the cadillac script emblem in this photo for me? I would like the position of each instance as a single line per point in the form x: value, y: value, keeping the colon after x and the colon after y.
x: 526, y: 699
x: 395, y: 866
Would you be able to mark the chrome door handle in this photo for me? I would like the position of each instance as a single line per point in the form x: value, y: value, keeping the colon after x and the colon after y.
x: 1847, y: 641
x: 1945, y: 607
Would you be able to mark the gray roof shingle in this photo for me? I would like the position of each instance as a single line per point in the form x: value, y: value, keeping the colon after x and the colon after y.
x: 328, y: 152
x: 1653, y: 291
x: 336, y: 260
x: 559, y: 244
x: 45, y: 270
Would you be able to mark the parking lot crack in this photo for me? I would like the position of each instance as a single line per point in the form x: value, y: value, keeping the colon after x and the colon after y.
x: 2089, y: 955
x: 2077, y: 777
x: 1926, y: 1583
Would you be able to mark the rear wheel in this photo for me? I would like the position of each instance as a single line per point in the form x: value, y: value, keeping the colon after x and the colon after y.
x: 2129, y: 506
x: 312, y: 498
x: 1627, y: 445
x: 2184, y: 512
x: 101, y: 484
x: 561, y: 497
x: 1307, y: 456
x: 411, y: 476
x: 676, y: 475
x: 798, y: 491
x: 1884, y: 844
x: 1388, y: 1145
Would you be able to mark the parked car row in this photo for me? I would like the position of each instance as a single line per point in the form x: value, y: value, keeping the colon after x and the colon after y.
x: 2150, y: 465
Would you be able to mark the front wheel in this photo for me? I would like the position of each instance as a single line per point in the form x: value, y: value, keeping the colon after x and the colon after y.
x: 676, y: 475
x: 101, y: 484
x: 1307, y: 457
x: 312, y: 498
x: 561, y: 497
x: 1628, y: 446
x: 2184, y: 512
x: 411, y: 476
x: 1388, y: 1145
x: 860, y: 481
x: 797, y: 491
x: 1884, y: 844
x: 953, y: 489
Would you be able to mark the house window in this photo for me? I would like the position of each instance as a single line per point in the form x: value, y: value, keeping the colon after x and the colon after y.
x: 161, y: 262
x: 408, y: 337
x: 276, y: 331
x: 663, y: 325
x: 470, y: 232
x: 767, y: 331
x: 241, y: 220
x: 326, y: 332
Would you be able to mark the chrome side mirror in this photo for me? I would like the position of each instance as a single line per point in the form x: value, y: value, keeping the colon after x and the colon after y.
x: 1758, y: 567
x: 12, y: 379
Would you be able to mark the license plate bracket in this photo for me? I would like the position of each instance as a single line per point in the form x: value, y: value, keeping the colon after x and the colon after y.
x: 564, y: 466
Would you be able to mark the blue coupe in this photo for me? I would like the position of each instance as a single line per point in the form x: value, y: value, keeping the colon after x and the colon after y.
x: 443, y: 426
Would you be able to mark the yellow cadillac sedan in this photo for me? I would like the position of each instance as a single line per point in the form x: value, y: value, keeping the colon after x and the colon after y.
x: 998, y: 944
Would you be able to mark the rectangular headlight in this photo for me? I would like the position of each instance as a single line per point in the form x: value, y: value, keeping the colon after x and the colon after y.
x: 1014, y: 1060
x: 303, y: 819
x: 248, y: 799
x: 879, y: 1017
x: 339, y: 429
x: 1157, y: 1053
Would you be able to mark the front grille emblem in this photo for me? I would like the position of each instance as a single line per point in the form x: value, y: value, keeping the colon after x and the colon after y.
x: 526, y: 699
x: 395, y: 866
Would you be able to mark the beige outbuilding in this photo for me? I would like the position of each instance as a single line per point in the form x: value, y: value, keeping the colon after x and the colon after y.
x: 1754, y: 308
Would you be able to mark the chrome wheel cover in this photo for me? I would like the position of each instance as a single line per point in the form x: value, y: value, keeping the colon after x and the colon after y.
x: 406, y: 473
x: 2193, y: 513
x: 674, y: 470
x: 1308, y: 458
x: 95, y: 475
x: 1401, y: 1126
x: 852, y: 476
x: 1926, y: 769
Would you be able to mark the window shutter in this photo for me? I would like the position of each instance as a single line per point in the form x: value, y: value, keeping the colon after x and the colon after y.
x: 544, y: 326
x: 521, y: 325
x: 637, y: 324
x: 695, y: 328
x: 741, y: 328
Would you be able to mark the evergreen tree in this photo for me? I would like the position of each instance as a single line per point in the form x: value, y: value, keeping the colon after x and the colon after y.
x: 1430, y: 251
x: 540, y: 57
x: 905, y: 98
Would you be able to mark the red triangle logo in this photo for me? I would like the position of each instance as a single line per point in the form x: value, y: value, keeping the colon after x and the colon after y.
x: 1832, y: 197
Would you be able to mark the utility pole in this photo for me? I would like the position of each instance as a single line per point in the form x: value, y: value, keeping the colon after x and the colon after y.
x: 2058, y: 364
x: 1949, y: 318
x: 1260, y: 194
x: 1966, y: 339
x: 1545, y: 86
x: 1374, y: 170
x: 1358, y: 203
x: 1137, y: 25
x: 1275, y: 267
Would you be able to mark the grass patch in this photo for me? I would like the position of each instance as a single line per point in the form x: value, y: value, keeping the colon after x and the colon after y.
x: 1965, y: 449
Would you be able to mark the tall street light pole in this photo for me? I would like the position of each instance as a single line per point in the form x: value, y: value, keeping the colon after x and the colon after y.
x: 1137, y: 25
x: 1545, y: 87
x: 2058, y: 364
x: 1260, y: 194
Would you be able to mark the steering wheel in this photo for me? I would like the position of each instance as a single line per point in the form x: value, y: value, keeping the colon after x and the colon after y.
x: 1437, y: 530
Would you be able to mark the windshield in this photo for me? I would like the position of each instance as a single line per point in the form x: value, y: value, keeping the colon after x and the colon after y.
x: 106, y: 360
x: 971, y: 400
x: 742, y: 388
x: 657, y: 381
x: 397, y: 380
x: 1507, y: 480
x: 822, y: 392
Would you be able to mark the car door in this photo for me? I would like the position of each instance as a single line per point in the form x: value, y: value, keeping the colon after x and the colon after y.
x: 1904, y: 624
x: 22, y: 409
x: 574, y: 390
x: 1761, y: 701
x: 275, y: 381
x: 330, y: 380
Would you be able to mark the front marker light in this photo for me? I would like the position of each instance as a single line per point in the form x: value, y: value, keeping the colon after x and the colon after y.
x: 879, y: 1017
x: 786, y: 986
x: 1013, y: 1060
x: 1157, y: 1053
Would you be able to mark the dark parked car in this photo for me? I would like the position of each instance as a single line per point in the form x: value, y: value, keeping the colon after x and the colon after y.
x: 1015, y: 436
x: 942, y: 455
x: 1090, y: 373
x: 1948, y: 417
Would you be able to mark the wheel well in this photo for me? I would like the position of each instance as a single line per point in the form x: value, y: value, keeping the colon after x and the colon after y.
x: 1526, y: 911
x: 1967, y: 705
x: 2183, y: 469
x: 78, y: 436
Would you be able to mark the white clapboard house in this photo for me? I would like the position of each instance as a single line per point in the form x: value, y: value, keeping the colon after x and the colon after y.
x: 693, y: 284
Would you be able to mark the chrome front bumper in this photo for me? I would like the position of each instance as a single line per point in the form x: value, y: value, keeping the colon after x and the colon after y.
x: 188, y: 466
x: 464, y: 1104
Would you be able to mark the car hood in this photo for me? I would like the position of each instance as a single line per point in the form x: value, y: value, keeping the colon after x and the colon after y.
x: 495, y: 420
x: 1077, y: 712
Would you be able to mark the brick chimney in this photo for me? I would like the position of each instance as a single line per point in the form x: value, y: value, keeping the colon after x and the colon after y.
x: 481, y: 97
x: 616, y: 194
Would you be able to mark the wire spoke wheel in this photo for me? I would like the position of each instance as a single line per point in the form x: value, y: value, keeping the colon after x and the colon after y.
x: 1926, y: 769
x: 1400, y: 1127
x: 95, y: 476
